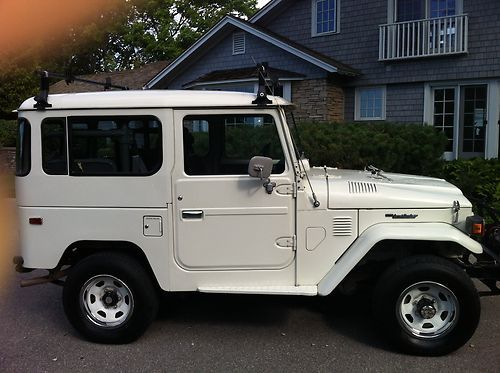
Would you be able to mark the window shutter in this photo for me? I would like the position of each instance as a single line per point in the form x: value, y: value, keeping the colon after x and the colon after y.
x: 239, y: 43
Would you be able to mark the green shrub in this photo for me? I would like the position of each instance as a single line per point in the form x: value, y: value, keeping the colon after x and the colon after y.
x: 478, y: 179
x: 405, y: 148
x: 8, y: 132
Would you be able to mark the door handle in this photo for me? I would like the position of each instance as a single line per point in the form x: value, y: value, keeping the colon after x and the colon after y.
x: 192, y: 214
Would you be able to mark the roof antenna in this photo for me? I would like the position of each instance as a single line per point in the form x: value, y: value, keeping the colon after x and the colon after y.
x: 262, y: 99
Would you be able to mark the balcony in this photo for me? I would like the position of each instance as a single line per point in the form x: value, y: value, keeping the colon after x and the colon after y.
x: 423, y: 38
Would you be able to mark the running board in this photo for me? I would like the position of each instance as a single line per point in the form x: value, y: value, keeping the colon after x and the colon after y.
x: 267, y: 290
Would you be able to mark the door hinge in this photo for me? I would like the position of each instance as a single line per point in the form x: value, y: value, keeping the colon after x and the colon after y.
x: 288, y: 242
x: 287, y: 189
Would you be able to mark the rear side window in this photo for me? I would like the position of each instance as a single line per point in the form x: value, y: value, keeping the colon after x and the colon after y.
x: 114, y: 145
x: 23, y: 148
x: 54, y: 159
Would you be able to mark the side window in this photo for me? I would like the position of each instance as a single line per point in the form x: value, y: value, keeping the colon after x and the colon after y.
x: 23, y: 148
x: 224, y: 144
x: 114, y: 145
x: 54, y: 158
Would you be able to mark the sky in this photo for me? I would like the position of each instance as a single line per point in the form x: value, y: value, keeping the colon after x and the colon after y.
x: 261, y: 3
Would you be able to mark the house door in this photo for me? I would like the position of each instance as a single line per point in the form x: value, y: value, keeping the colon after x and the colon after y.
x: 225, y: 219
x: 473, y: 121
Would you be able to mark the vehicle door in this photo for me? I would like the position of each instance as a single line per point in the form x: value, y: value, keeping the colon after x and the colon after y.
x: 225, y: 219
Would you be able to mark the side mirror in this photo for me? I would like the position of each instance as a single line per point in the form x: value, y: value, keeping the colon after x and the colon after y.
x: 260, y: 167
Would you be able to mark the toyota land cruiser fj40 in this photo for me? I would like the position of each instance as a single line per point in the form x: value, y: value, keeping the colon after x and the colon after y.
x: 124, y: 195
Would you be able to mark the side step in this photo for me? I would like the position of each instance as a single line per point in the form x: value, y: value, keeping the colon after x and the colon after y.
x: 267, y: 290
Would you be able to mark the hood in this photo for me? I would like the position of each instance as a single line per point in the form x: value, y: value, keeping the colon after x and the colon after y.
x: 366, y: 190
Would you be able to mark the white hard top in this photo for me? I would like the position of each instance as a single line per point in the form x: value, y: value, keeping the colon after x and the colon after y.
x: 150, y: 99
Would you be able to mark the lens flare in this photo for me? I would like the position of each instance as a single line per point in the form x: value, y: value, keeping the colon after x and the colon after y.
x: 7, y: 234
x: 27, y: 25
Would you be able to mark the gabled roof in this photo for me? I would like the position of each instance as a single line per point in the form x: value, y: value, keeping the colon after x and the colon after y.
x: 230, y: 23
x: 244, y: 74
x: 132, y: 78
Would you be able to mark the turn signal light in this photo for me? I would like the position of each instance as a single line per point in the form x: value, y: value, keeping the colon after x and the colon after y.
x: 475, y: 225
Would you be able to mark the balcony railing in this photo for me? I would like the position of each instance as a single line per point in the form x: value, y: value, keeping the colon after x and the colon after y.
x: 424, y: 38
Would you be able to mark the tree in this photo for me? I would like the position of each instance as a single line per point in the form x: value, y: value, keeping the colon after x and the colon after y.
x: 161, y: 29
x: 128, y: 34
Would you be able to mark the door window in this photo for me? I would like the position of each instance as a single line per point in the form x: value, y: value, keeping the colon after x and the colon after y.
x: 224, y: 144
x: 473, y: 126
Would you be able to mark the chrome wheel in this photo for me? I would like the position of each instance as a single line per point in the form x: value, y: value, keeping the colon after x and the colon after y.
x: 427, y: 310
x: 106, y: 301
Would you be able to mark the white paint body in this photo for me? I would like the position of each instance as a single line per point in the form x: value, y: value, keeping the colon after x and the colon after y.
x: 246, y: 241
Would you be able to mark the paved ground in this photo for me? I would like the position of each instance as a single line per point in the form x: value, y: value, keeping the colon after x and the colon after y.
x: 227, y: 334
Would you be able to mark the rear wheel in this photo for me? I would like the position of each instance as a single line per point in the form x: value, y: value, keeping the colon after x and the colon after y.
x: 110, y: 298
x: 427, y: 305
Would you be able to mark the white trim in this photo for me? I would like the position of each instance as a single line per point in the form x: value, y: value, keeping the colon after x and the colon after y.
x: 314, y: 25
x: 357, y: 106
x: 243, y: 26
x: 287, y: 85
x: 266, y: 9
x: 236, y: 81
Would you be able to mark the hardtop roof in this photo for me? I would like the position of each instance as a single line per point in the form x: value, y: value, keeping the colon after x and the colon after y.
x: 150, y: 99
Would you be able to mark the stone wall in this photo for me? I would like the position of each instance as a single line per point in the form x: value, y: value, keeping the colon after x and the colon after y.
x: 8, y: 160
x: 318, y: 100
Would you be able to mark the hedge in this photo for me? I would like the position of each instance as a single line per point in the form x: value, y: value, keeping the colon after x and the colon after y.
x: 8, y: 132
x: 404, y: 148
x: 479, y: 180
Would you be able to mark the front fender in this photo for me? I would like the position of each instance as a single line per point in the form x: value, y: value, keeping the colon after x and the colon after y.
x: 401, y: 231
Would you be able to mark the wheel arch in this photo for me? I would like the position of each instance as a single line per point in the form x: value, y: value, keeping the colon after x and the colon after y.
x: 388, y: 242
x: 85, y: 248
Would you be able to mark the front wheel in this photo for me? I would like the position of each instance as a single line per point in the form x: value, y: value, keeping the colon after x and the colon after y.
x: 427, y: 305
x: 109, y: 298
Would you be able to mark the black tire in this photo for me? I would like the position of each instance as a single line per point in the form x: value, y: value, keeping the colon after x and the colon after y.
x: 426, y: 305
x: 110, y: 298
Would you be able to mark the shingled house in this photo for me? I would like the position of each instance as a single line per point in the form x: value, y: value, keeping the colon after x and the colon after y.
x: 433, y: 62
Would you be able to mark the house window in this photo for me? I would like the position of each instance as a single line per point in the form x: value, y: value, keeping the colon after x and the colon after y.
x: 370, y: 103
x: 461, y: 113
x: 411, y: 10
x: 444, y: 113
x: 238, y: 43
x: 324, y: 16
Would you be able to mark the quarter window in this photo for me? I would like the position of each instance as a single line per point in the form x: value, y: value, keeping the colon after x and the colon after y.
x: 114, y: 145
x: 23, y: 148
x: 54, y: 158
x: 224, y: 144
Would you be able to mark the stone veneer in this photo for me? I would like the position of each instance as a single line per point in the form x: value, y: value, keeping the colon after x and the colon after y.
x: 318, y: 100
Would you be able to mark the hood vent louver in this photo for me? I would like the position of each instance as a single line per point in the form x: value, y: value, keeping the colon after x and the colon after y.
x: 359, y: 187
x: 342, y: 226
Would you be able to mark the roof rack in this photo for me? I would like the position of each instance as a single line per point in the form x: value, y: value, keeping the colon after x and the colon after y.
x: 262, y: 99
x: 42, y: 97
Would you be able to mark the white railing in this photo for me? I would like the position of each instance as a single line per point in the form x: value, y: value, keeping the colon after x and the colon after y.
x: 424, y: 38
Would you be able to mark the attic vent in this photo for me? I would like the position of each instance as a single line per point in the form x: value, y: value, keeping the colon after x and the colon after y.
x: 342, y: 226
x: 356, y: 187
x: 239, y: 43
